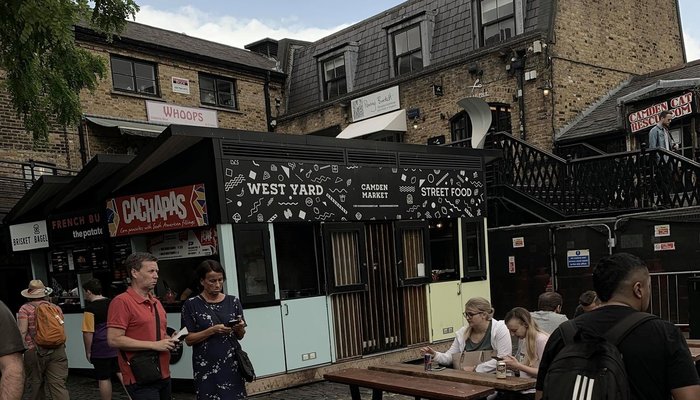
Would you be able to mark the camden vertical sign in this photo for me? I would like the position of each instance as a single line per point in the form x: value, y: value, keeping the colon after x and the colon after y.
x: 293, y: 191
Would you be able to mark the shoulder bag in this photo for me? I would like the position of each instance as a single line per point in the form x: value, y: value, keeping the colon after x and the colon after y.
x: 245, y: 366
x: 145, y: 365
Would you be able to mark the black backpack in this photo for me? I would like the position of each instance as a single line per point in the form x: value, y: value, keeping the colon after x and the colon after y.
x: 590, y: 367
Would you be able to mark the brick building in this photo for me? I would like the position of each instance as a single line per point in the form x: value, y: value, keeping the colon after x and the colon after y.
x: 508, y: 52
x: 154, y: 77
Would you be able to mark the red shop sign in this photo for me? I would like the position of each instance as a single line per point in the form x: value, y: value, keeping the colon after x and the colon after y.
x: 177, y: 208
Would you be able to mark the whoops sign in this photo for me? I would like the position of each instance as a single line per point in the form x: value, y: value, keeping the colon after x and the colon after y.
x: 177, y: 208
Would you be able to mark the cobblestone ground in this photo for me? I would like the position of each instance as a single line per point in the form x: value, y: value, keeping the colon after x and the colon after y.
x: 85, y: 388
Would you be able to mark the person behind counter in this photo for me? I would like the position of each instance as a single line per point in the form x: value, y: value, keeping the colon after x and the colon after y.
x: 97, y: 351
x: 132, y: 328
x: 482, y: 333
x: 215, y: 324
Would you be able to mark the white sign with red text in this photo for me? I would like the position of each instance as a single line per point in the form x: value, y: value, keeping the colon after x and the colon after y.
x: 679, y: 106
x: 172, y: 114
x: 180, y: 85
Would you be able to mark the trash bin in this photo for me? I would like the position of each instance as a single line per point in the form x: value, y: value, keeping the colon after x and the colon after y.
x: 694, y: 306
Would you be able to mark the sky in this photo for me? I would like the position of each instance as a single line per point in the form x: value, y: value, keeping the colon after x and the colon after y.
x: 240, y: 22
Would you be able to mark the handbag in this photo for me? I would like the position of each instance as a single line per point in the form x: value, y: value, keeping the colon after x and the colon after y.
x: 245, y: 367
x: 145, y: 365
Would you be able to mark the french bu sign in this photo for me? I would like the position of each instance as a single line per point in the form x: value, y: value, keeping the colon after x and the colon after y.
x: 177, y: 208
x: 648, y: 117
x: 76, y: 227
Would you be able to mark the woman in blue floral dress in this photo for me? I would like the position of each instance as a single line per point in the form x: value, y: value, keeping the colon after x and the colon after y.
x: 216, y: 375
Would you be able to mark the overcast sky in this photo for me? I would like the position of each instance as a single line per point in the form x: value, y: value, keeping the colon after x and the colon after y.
x: 239, y: 22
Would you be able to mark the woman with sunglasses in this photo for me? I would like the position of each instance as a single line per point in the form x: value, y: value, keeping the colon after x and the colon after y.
x: 482, y: 333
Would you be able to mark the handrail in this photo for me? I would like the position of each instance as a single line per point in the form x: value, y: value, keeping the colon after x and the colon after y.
x: 604, y: 183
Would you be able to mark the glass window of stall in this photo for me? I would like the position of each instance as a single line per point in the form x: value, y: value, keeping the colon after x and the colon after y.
x: 413, y: 251
x: 298, y: 252
x: 444, y: 249
x: 253, y: 264
x: 474, y: 251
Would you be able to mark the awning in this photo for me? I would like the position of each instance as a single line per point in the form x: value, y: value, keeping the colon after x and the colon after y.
x: 659, y: 88
x: 129, y: 127
x: 392, y: 122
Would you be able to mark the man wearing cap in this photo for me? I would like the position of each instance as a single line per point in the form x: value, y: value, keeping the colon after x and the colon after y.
x: 136, y: 322
x: 45, y: 368
x: 11, y: 349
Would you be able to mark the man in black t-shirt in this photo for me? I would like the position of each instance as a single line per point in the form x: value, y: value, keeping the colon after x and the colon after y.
x: 11, y: 362
x: 656, y: 356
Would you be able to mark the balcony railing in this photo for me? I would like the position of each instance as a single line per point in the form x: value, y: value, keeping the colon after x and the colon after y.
x: 601, y: 184
x: 16, y: 178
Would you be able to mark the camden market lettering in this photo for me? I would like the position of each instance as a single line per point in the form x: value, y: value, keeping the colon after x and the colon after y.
x: 289, y: 191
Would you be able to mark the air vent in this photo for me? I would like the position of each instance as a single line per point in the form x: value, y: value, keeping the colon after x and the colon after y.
x: 428, y: 161
x: 371, y: 158
x: 273, y: 151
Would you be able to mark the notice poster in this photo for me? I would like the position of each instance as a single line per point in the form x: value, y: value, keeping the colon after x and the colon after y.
x: 511, y: 264
x: 164, y: 210
x: 183, y: 244
x: 578, y: 258
x: 90, y: 258
x: 518, y: 242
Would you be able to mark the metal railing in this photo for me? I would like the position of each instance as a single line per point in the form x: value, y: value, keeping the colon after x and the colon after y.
x: 16, y: 178
x: 669, y: 298
x: 609, y: 183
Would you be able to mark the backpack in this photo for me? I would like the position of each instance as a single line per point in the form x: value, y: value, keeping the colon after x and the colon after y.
x: 50, y: 332
x: 590, y: 367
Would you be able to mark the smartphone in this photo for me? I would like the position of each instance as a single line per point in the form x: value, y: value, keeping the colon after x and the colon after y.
x: 231, y: 324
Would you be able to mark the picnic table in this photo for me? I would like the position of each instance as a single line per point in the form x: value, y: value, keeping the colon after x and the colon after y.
x: 511, y: 383
x: 418, y: 387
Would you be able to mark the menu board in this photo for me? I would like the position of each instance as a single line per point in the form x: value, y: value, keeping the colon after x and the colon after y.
x: 90, y: 258
x: 120, y: 250
x: 183, y: 244
x: 59, y: 261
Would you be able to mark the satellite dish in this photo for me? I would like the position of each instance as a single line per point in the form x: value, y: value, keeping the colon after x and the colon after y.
x: 480, y: 116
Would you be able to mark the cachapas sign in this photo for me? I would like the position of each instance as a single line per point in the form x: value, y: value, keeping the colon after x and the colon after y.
x: 177, y: 208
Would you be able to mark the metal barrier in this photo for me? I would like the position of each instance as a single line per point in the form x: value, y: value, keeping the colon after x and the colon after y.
x: 669, y: 298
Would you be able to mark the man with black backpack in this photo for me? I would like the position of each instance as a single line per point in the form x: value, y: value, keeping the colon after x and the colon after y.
x: 616, y: 351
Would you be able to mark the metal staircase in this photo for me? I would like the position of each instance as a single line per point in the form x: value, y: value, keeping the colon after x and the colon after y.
x: 552, y: 188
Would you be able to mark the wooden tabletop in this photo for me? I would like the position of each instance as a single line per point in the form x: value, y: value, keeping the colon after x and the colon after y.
x: 693, y: 342
x: 695, y: 353
x: 397, y: 383
x: 511, y: 383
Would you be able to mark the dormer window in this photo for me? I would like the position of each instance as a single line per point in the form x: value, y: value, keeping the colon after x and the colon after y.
x: 408, y: 52
x: 336, y: 68
x: 498, y: 20
x: 334, y: 78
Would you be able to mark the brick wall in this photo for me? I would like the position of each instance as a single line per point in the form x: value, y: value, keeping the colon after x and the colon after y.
x: 104, y: 101
x: 599, y: 44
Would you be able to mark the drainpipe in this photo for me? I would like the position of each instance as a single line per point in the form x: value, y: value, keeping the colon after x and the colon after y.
x: 268, y: 112
x: 81, y: 142
x: 520, y: 71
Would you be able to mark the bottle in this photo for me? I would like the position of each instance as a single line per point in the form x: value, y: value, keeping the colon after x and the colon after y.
x: 427, y: 360
x: 501, y: 370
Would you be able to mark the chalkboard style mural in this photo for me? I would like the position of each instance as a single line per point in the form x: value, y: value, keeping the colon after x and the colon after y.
x: 294, y: 191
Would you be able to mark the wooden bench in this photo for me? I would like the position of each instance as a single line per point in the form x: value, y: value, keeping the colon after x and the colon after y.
x: 420, y: 388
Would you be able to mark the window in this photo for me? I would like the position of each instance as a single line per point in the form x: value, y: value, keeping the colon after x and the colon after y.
x: 255, y: 279
x: 414, y: 252
x: 444, y: 249
x: 473, y: 250
x: 385, y: 136
x: 500, y: 118
x: 345, y: 257
x: 461, y: 128
x: 134, y: 76
x: 497, y: 21
x: 408, y: 54
x: 218, y: 92
x: 297, y: 253
x: 334, y: 82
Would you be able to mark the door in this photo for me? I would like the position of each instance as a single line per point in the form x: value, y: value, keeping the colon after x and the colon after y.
x: 306, y: 332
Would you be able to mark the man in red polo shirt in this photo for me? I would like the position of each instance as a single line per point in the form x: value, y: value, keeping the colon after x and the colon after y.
x: 131, y: 327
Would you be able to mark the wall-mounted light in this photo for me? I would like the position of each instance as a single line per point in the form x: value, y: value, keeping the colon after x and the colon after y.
x: 416, y: 120
x: 546, y: 88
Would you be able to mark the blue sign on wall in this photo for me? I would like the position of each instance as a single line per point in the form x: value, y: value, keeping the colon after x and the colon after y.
x: 578, y: 258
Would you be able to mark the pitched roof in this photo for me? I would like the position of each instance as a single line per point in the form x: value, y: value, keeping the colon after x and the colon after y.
x: 452, y: 39
x: 603, y: 116
x: 136, y: 33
